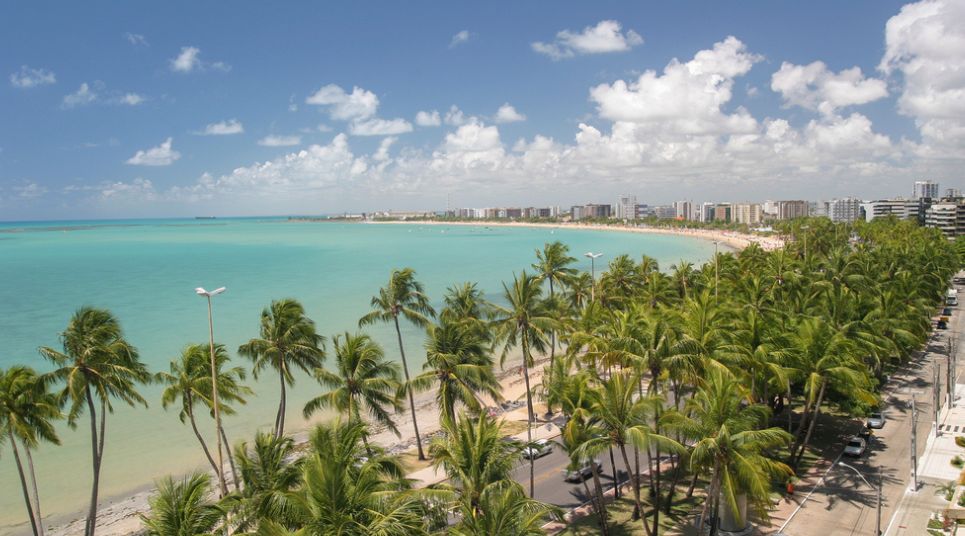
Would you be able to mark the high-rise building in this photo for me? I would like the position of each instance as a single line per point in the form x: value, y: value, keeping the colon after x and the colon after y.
x: 576, y: 212
x: 707, y: 212
x: 722, y: 212
x: 747, y: 213
x: 667, y: 212
x: 926, y: 189
x: 944, y: 217
x: 844, y: 210
x: 683, y: 209
x: 905, y: 209
x: 789, y: 210
x: 626, y: 207
x: 769, y: 209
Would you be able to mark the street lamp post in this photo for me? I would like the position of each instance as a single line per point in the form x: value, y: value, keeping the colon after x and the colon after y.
x: 878, y: 520
x: 914, y: 442
x: 593, y: 257
x: 214, y: 384
x: 805, y: 229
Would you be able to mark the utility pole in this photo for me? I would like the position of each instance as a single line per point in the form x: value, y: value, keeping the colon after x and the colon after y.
x: 878, y: 522
x: 914, y: 443
x: 936, y: 394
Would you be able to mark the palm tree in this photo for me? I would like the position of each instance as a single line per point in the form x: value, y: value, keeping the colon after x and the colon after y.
x: 344, y: 494
x: 288, y: 342
x: 465, y: 304
x: 474, y: 455
x: 402, y: 296
x: 524, y: 322
x: 96, y: 362
x: 364, y: 381
x: 182, y: 508
x: 459, y: 365
x: 271, y: 472
x: 553, y: 267
x: 27, y: 410
x: 730, y: 446
x: 504, y: 509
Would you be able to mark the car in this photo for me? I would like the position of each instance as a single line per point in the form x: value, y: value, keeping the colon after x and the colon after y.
x: 876, y: 420
x: 539, y: 448
x: 581, y: 473
x: 855, y: 447
x: 946, y: 312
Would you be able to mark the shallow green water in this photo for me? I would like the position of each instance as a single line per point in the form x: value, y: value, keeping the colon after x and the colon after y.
x: 145, y: 272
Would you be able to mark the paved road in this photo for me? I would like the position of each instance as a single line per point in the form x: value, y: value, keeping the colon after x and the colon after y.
x: 843, y: 504
x: 550, y: 486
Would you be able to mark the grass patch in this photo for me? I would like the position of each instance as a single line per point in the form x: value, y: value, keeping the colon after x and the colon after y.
x: 619, y: 515
x: 514, y: 427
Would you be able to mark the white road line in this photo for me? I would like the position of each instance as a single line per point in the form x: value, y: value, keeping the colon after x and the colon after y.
x: 808, y: 496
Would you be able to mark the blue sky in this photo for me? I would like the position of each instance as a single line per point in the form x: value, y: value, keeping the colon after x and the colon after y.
x: 105, y: 106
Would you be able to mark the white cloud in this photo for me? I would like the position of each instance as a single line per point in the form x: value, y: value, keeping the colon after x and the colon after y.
x: 924, y: 44
x: 460, y: 38
x: 162, y: 155
x: 83, y: 96
x: 28, y: 77
x: 359, y: 104
x: 382, y: 154
x: 135, y: 39
x: 508, y: 114
x: 687, y: 97
x: 189, y: 60
x: 131, y: 99
x: 380, y: 127
x: 603, y: 38
x: 139, y: 189
x: 223, y: 128
x: 455, y: 117
x: 814, y: 87
x: 428, y: 119
x: 280, y: 141
x: 30, y: 190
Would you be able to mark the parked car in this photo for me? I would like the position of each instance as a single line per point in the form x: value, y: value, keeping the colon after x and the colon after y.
x: 855, y: 447
x: 876, y: 420
x: 539, y: 448
x: 946, y: 312
x: 941, y: 324
x: 580, y: 474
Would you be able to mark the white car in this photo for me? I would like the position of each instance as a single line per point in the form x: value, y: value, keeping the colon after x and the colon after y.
x: 855, y: 447
x: 539, y: 448
x: 876, y: 420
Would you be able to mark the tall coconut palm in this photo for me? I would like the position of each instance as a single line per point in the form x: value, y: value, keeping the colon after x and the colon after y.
x: 524, y: 322
x: 553, y: 266
x: 465, y: 304
x: 364, y: 381
x: 27, y: 412
x: 271, y: 473
x: 730, y: 445
x: 459, y: 366
x: 97, y: 362
x: 182, y: 508
x: 288, y: 343
x: 403, y: 296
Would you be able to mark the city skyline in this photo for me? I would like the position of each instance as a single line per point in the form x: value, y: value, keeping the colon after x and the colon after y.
x: 350, y: 108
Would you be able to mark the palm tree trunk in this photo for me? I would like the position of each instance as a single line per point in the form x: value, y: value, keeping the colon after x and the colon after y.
x: 282, y: 406
x: 95, y: 466
x: 36, y: 494
x: 656, y: 495
x: 599, y: 495
x: 23, y: 483
x: 231, y: 460
x: 814, y: 420
x: 204, y: 446
x: 408, y: 389
x: 529, y: 418
x: 552, y: 333
x: 616, y: 475
x: 592, y: 499
x: 636, y: 490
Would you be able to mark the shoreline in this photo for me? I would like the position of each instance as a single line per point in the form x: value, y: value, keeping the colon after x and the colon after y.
x: 119, y: 515
x: 731, y: 239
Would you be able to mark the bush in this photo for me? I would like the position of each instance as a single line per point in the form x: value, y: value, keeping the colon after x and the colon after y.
x: 958, y: 462
x: 960, y: 441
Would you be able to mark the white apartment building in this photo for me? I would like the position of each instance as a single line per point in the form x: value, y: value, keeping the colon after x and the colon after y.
x: 943, y: 216
x: 683, y: 209
x: 900, y: 208
x: 844, y: 210
x: 749, y: 213
x: 927, y: 189
x: 626, y: 207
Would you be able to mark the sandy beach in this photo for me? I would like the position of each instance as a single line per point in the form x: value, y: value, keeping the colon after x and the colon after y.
x: 732, y: 239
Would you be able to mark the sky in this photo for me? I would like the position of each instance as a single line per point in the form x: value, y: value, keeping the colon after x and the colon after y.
x: 136, y: 109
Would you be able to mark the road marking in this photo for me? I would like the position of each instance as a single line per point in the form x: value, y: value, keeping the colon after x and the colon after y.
x: 808, y: 496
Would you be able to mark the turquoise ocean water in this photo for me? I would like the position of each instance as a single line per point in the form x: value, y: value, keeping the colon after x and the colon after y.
x: 145, y: 272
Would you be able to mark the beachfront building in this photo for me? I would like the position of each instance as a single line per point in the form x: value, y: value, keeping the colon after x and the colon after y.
x: 723, y: 212
x: 665, y: 212
x: 789, y: 210
x: 707, y: 212
x: 747, y: 213
x: 626, y: 207
x: 683, y: 209
x: 847, y: 209
x: 944, y: 217
x: 769, y: 210
x: 905, y: 209
x: 926, y: 190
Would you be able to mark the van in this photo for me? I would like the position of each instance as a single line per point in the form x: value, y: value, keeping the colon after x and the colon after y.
x: 952, y: 297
